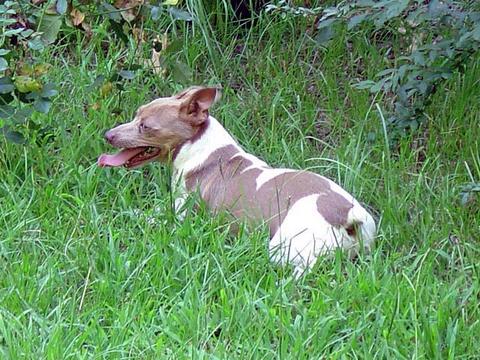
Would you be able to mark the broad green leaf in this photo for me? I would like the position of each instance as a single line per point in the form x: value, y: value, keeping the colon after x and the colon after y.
x: 422, y: 87
x: 49, y: 90
x: 366, y: 84
x: 34, y: 95
x: 6, y: 85
x: 26, y: 33
x: 61, y: 6
x: 324, y: 35
x: 390, y: 9
x: 170, y: 2
x: 326, y: 23
x: 9, y: 3
x: 379, y: 85
x: 49, y: 27
x: 3, y: 64
x: 36, y: 44
x: 356, y: 20
x: 11, y: 32
x: 13, y: 136
x: 365, y: 2
x: 476, y: 32
x: 436, y: 9
x: 99, y: 80
x: 126, y: 74
x: 21, y: 115
x: 385, y: 72
x: 418, y: 58
x: 111, y: 11
x: 4, y: 22
x: 42, y: 105
x: 397, y: 7
x: 174, y: 47
x: 156, y: 12
x: 4, y: 52
x: 181, y: 72
x: 179, y: 14
x: 6, y: 111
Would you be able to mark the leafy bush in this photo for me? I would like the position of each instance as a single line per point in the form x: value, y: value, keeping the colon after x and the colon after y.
x: 29, y: 27
x: 438, y: 36
x: 22, y: 79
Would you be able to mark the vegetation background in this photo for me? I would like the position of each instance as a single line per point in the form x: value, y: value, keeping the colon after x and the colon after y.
x: 93, y: 264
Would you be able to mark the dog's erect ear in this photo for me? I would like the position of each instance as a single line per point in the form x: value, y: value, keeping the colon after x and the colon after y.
x: 196, y: 102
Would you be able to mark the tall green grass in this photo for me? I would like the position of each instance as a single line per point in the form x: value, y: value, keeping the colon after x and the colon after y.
x: 93, y: 264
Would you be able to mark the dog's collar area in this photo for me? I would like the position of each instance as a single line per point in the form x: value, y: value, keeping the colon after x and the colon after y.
x: 202, y: 128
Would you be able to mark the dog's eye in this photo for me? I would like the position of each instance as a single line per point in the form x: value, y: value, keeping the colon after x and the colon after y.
x: 142, y: 127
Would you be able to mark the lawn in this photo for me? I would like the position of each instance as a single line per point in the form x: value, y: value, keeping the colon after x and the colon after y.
x: 94, y: 264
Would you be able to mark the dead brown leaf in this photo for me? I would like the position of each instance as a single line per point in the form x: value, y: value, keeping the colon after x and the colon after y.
x: 87, y: 28
x: 129, y: 8
x: 77, y: 17
x: 155, y: 61
x: 139, y: 35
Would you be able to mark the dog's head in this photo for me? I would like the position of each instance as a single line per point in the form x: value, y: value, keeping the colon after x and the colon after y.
x: 159, y: 127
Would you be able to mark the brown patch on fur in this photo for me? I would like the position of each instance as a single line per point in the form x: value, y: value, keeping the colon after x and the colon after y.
x: 214, y: 175
x: 225, y: 185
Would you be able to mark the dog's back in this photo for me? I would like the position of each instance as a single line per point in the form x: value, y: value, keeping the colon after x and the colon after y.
x: 307, y: 214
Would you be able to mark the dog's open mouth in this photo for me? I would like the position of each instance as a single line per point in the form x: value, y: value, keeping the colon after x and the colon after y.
x: 130, y: 157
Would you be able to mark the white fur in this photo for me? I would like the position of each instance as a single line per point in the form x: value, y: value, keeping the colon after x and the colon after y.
x: 304, y: 233
x: 358, y: 214
x: 191, y: 155
x: 268, y: 174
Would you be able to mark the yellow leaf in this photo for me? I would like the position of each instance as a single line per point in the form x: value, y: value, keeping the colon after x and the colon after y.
x: 24, y: 69
x: 26, y: 84
x: 106, y: 89
x: 95, y: 106
x: 171, y: 2
x: 41, y: 69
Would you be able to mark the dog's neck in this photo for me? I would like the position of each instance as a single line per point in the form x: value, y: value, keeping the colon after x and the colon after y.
x: 196, y: 151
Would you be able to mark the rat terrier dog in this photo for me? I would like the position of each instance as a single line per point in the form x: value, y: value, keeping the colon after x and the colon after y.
x: 307, y: 214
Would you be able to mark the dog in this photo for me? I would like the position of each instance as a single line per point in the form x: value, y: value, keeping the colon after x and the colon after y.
x: 306, y: 213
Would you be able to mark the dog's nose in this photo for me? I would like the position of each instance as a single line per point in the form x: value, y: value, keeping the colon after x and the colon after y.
x: 109, y: 136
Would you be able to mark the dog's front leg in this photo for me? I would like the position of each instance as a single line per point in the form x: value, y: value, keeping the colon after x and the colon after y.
x: 180, y: 194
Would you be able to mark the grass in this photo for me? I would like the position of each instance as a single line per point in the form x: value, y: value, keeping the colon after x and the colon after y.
x: 94, y: 264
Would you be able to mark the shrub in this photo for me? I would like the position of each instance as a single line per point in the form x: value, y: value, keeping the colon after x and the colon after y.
x: 439, y: 37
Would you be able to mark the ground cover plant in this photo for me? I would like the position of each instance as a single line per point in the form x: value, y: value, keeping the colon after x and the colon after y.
x: 94, y: 264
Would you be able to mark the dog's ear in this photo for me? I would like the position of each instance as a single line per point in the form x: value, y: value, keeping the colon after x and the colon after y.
x: 196, y: 102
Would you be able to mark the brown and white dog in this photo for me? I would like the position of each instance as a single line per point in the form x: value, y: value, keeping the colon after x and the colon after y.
x: 307, y: 214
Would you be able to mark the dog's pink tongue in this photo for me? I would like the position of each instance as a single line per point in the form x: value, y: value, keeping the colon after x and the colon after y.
x: 120, y: 158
